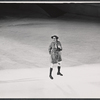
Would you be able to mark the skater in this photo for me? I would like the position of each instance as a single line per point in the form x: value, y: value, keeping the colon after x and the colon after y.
x: 55, y: 49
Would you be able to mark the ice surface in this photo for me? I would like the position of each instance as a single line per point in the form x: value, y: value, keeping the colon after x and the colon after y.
x: 25, y: 61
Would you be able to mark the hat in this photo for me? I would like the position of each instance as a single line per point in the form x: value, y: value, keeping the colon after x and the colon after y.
x: 54, y: 36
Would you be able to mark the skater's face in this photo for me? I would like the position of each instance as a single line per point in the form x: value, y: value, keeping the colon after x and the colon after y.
x: 54, y: 39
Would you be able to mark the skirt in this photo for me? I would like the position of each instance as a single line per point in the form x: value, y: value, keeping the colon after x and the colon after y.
x: 56, y: 57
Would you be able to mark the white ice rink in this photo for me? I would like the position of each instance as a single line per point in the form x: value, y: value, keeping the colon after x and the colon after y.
x: 77, y: 82
x: 25, y: 61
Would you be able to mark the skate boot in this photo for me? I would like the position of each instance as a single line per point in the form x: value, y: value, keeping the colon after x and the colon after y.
x: 59, y: 73
x: 51, y: 73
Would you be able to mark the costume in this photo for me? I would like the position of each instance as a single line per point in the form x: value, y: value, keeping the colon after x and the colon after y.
x: 54, y: 52
x: 55, y: 49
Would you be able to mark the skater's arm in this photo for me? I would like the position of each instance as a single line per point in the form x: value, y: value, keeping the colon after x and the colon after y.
x: 50, y: 47
x: 60, y: 45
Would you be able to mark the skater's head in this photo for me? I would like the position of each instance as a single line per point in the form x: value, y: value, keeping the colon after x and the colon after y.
x: 54, y: 37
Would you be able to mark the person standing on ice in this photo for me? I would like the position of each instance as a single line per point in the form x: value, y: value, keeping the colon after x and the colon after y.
x: 55, y: 49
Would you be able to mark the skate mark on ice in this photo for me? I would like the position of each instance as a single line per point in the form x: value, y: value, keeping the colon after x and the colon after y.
x: 67, y: 90
x: 74, y: 61
x: 29, y: 24
x: 17, y: 59
x: 21, y: 80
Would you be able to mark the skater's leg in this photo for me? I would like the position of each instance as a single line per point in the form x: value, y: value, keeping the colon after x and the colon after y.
x: 51, y: 69
x: 52, y: 65
x: 59, y: 68
x: 59, y: 63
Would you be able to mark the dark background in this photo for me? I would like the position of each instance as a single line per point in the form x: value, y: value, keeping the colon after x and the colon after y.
x: 52, y: 10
